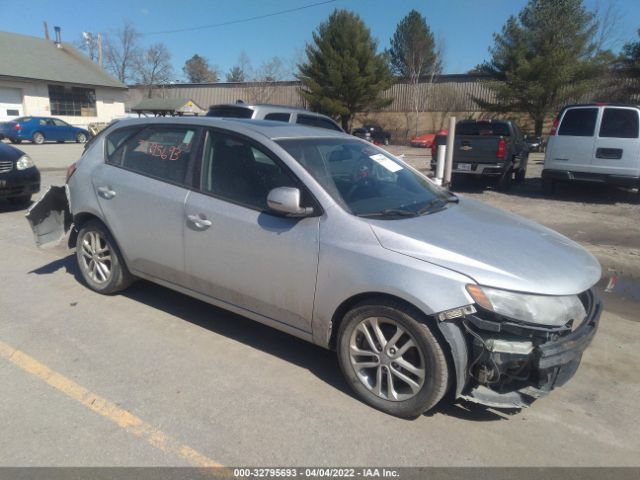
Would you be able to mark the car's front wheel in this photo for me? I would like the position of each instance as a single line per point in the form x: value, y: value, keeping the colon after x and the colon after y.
x: 81, y: 138
x: 15, y: 140
x: 100, y: 261
x: 392, y: 360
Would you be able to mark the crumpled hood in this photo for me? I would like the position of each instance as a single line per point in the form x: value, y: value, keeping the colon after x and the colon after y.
x: 494, y: 248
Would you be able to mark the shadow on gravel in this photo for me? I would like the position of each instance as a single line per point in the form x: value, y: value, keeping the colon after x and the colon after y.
x: 319, y: 361
x: 565, y: 192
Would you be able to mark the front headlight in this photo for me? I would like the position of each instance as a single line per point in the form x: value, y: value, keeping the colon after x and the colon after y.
x: 541, y: 309
x: 24, y: 162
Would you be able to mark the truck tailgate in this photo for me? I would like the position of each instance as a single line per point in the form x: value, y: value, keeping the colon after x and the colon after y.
x: 475, y: 149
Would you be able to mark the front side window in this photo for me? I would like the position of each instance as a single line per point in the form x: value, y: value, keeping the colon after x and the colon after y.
x: 73, y: 101
x: 365, y: 180
x: 238, y: 171
x: 619, y: 123
x: 579, y: 122
x: 159, y: 151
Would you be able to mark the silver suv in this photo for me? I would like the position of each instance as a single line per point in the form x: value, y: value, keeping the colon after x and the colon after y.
x: 276, y: 113
x: 333, y: 240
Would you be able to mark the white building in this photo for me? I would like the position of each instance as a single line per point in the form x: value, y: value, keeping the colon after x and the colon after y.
x: 41, y: 77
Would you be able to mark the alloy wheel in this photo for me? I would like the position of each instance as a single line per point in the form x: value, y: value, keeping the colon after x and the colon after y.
x: 96, y: 257
x: 386, y: 359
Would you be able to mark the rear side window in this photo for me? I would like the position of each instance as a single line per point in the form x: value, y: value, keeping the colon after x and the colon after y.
x: 278, y: 117
x: 229, y: 111
x: 619, y: 123
x: 160, y: 151
x: 483, y: 128
x: 579, y: 122
x: 314, y: 121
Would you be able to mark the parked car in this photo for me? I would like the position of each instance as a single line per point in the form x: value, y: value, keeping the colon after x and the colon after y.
x: 534, y: 143
x: 373, y: 133
x: 493, y: 149
x: 42, y: 129
x: 594, y: 143
x: 19, y: 177
x: 336, y: 241
x: 276, y: 113
x: 426, y: 140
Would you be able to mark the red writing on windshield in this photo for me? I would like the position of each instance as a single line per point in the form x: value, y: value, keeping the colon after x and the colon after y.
x: 164, y: 152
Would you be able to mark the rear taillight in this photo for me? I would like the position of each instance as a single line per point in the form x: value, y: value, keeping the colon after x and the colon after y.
x: 554, y: 127
x: 502, y: 149
x: 70, y: 171
x: 17, y: 126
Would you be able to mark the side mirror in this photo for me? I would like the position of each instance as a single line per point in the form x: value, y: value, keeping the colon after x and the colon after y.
x: 286, y: 200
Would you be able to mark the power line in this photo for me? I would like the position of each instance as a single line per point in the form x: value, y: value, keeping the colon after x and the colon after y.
x: 242, y: 20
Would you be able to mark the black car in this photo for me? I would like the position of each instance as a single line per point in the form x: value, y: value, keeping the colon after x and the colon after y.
x: 535, y: 144
x: 373, y: 133
x: 19, y: 177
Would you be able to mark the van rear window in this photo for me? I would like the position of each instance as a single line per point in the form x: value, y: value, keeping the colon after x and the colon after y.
x: 619, y: 123
x: 228, y: 111
x: 483, y: 128
x: 579, y: 122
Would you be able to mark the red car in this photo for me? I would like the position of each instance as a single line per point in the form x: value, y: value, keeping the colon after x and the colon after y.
x: 426, y: 140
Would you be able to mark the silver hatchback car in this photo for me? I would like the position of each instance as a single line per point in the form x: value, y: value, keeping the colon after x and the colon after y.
x: 333, y: 240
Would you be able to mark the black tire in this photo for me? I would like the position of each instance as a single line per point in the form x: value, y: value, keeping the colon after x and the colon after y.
x: 505, y: 180
x: 81, y: 138
x: 38, y: 138
x: 436, y: 370
x: 119, y: 277
x: 21, y: 200
x: 15, y: 140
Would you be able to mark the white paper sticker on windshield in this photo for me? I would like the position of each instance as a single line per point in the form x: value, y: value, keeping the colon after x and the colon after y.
x: 187, y: 137
x: 385, y: 162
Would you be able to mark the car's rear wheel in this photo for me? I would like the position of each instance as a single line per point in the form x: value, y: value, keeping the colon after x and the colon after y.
x: 505, y: 180
x: 101, y: 264
x: 38, y: 138
x: 81, y: 138
x: 391, y: 360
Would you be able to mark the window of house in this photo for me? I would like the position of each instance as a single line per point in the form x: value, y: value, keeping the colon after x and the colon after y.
x: 72, y: 101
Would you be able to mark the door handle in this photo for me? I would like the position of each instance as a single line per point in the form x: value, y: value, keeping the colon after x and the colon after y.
x: 199, y: 221
x: 609, y: 153
x: 106, y: 192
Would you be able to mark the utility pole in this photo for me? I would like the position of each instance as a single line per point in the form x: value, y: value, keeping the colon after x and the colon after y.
x: 46, y: 30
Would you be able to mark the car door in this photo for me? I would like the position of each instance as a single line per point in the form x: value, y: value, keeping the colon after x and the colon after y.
x: 572, y: 148
x: 617, y: 147
x: 141, y: 189
x: 64, y: 131
x: 236, y: 250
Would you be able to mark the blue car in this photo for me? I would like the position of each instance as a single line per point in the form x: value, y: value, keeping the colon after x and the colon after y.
x: 42, y: 129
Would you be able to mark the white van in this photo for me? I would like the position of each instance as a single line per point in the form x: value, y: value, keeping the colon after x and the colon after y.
x: 594, y: 143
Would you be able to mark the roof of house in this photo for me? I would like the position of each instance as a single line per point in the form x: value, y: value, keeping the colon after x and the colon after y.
x: 23, y: 56
x: 167, y: 105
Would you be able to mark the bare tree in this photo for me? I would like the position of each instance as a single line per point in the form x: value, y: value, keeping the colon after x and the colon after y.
x: 88, y: 43
x: 122, y: 52
x: 609, y: 20
x: 242, y: 70
x: 154, y: 68
x: 264, y: 79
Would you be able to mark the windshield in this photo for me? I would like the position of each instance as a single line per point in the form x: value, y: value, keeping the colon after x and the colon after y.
x: 365, y: 180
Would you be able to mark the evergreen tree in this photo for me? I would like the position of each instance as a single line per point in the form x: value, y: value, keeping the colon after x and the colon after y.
x: 631, y: 53
x: 235, y: 75
x: 543, y: 58
x: 197, y: 70
x: 343, y: 74
x: 413, y: 55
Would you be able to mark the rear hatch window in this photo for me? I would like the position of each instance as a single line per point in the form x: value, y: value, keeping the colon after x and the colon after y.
x: 483, y: 128
x: 578, y: 122
x: 230, y: 111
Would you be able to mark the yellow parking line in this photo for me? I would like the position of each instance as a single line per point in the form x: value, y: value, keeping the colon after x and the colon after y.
x: 104, y: 407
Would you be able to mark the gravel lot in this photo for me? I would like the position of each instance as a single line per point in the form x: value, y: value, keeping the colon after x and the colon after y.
x: 152, y: 377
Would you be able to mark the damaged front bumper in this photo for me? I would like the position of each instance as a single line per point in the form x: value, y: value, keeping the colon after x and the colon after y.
x: 504, y: 364
x: 50, y: 218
